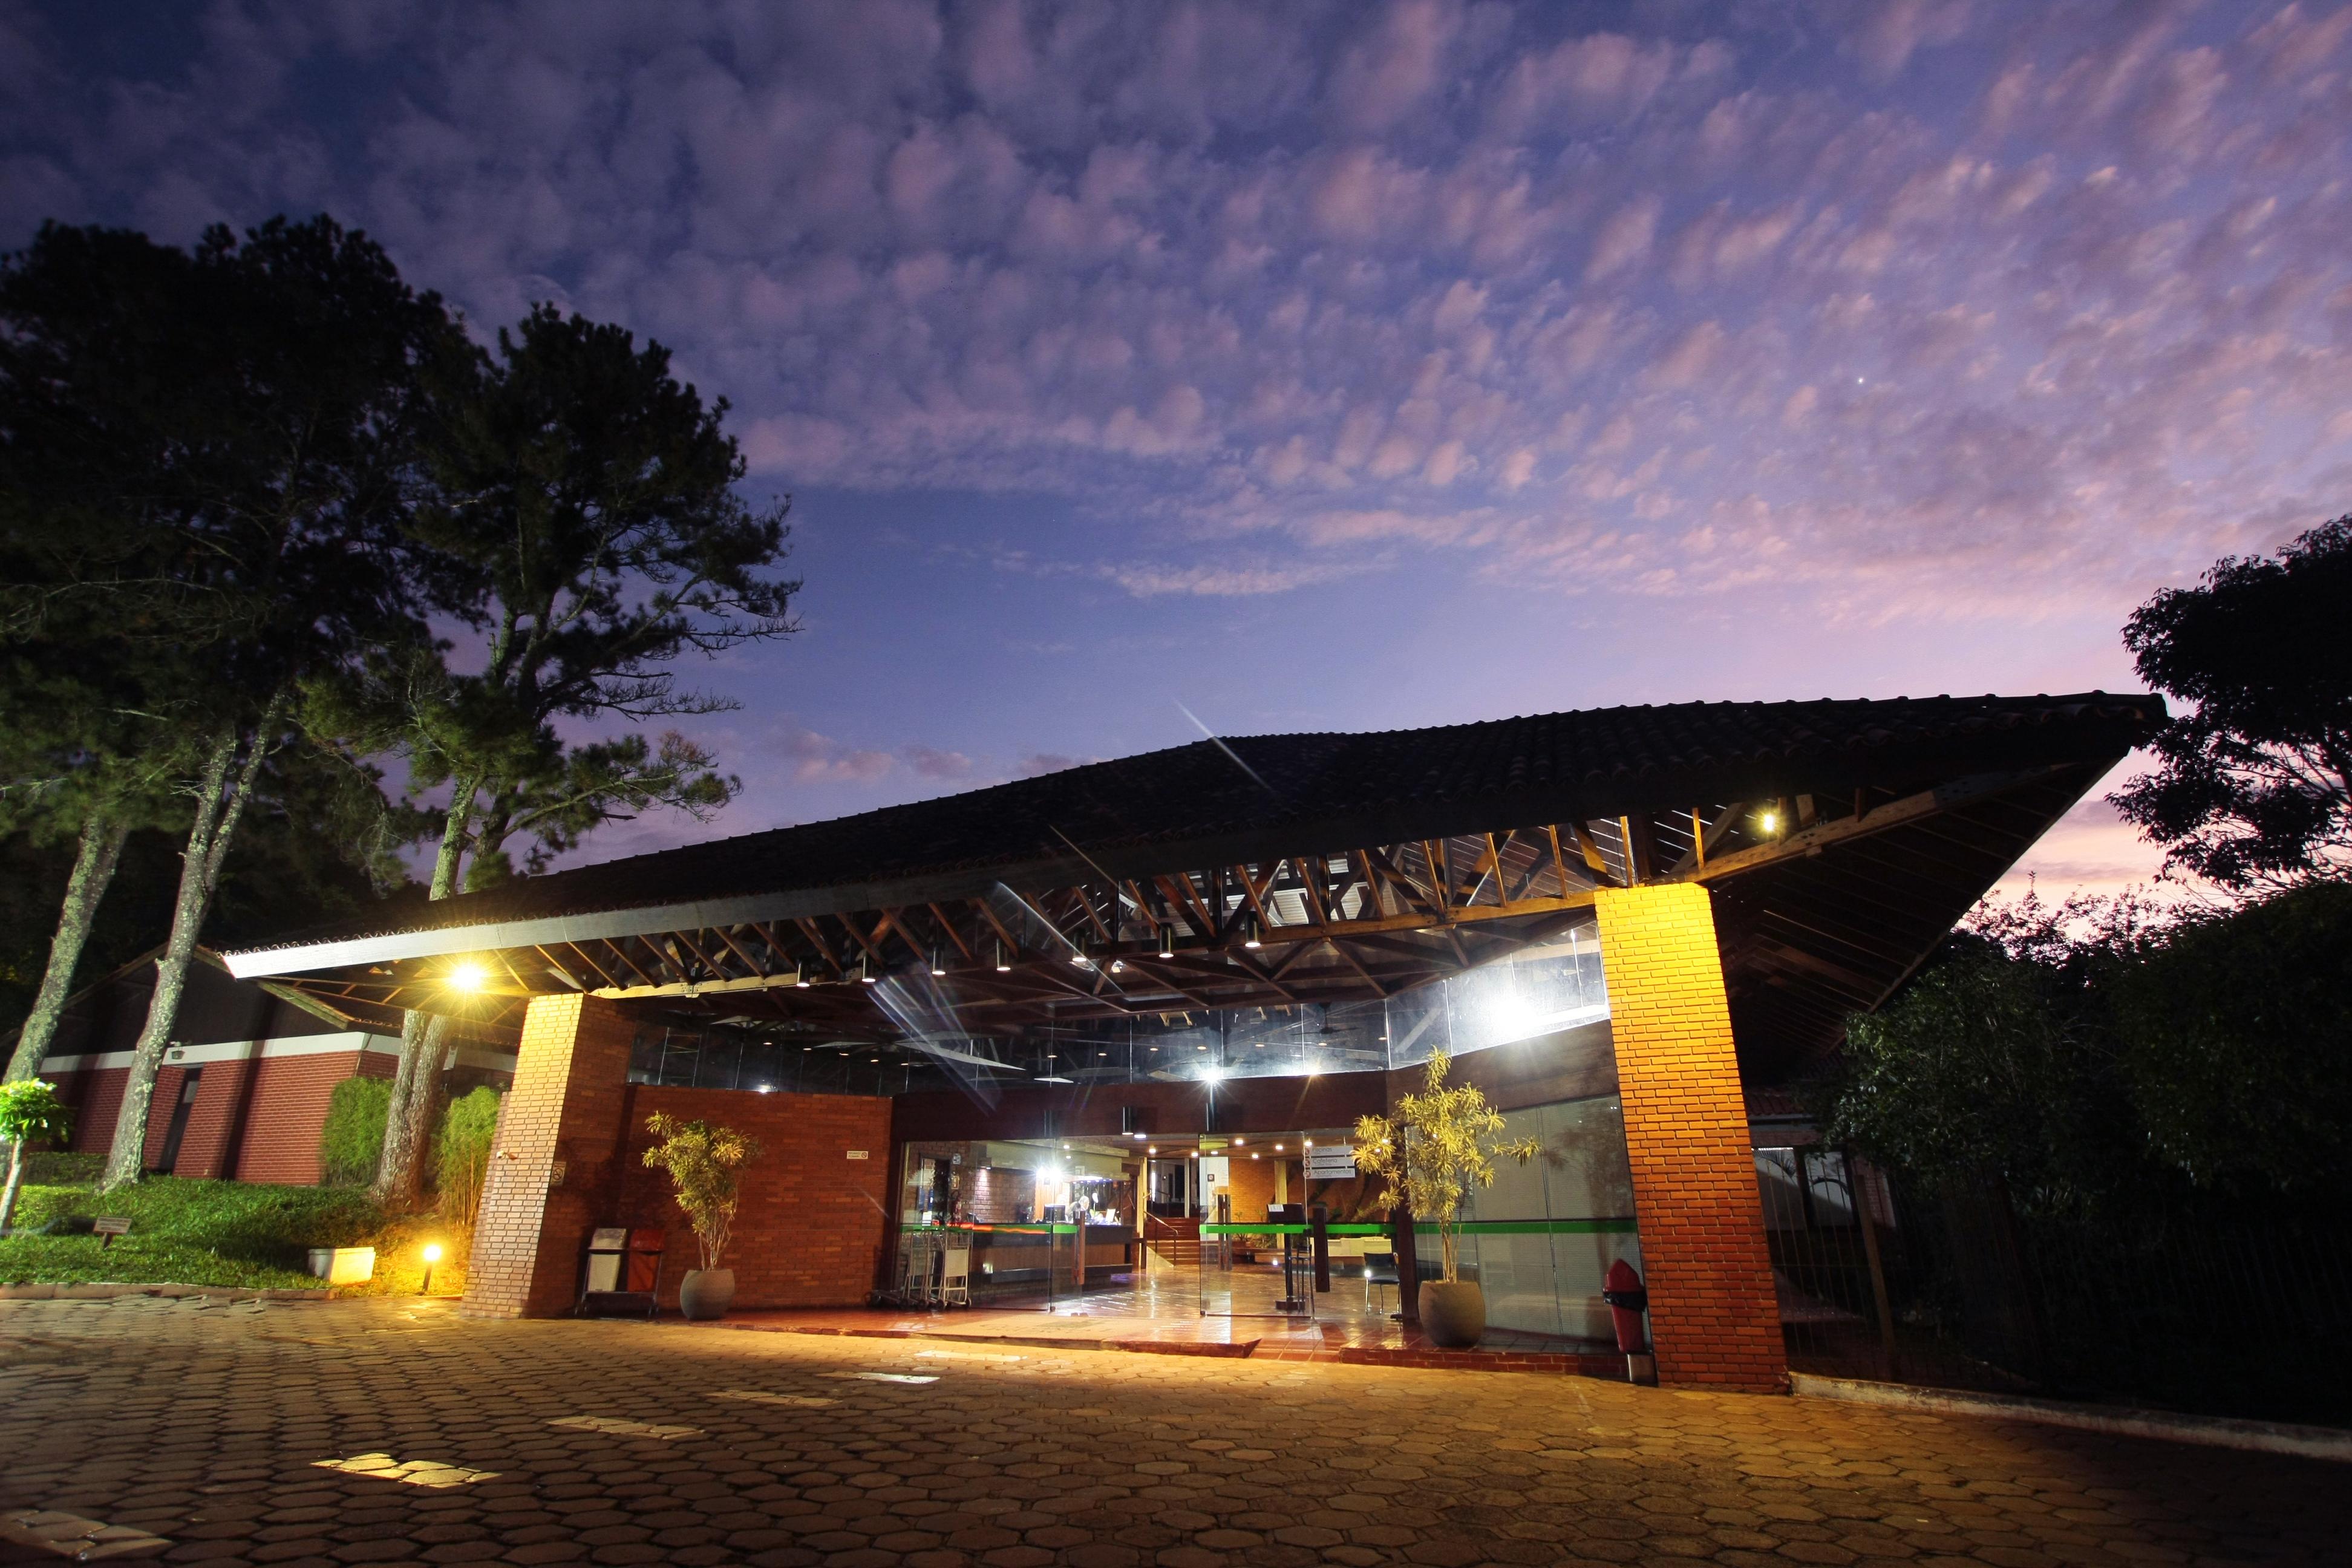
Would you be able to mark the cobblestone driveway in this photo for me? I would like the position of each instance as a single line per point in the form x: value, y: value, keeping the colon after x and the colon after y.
x: 560, y: 1442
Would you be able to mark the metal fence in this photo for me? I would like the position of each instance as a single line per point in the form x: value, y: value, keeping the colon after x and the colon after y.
x: 2191, y: 1302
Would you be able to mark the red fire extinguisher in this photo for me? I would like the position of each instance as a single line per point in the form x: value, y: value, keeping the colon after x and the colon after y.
x: 1627, y: 1299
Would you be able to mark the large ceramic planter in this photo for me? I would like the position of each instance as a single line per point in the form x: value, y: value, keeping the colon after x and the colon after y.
x: 706, y: 1293
x: 1452, y: 1316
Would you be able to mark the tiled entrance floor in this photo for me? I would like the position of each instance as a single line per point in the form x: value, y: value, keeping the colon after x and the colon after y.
x: 1163, y: 1314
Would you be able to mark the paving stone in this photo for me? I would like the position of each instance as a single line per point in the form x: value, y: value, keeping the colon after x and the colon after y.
x: 1092, y: 1459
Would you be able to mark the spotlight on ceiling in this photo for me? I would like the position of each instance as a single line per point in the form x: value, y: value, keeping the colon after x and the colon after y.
x: 938, y: 961
x: 866, y: 975
x: 800, y: 976
x: 1166, y: 938
x: 1252, y: 930
x: 1004, y: 959
x: 469, y: 977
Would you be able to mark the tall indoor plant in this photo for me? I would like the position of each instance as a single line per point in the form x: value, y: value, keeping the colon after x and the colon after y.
x: 1439, y: 1145
x: 702, y: 1161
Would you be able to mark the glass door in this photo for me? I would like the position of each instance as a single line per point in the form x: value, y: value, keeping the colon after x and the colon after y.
x: 1256, y: 1251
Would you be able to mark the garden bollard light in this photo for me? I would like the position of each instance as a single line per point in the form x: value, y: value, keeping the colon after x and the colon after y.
x: 432, y: 1256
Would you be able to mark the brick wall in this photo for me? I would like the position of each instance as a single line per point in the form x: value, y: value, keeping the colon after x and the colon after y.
x: 1712, y: 1306
x: 287, y: 1111
x: 555, y: 1167
x: 811, y: 1223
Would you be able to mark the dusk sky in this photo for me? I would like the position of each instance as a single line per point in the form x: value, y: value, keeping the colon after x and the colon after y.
x: 1343, y: 366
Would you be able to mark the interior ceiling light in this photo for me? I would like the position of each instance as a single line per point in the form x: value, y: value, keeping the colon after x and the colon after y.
x: 1252, y: 930
x: 1768, y: 821
x: 468, y: 977
x: 1166, y: 938
x: 1118, y: 966
x: 865, y: 975
x: 938, y: 961
x: 800, y: 977
x: 1003, y: 960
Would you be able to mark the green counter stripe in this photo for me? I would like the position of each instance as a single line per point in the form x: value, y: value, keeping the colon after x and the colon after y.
x: 1467, y: 1228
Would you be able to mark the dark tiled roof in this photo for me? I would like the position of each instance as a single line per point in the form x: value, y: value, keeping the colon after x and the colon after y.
x: 1335, y: 791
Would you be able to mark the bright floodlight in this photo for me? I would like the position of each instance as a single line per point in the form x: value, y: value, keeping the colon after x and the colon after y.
x: 1769, y: 821
x: 468, y: 977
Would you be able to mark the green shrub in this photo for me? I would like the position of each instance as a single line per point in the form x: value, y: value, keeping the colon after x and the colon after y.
x: 352, y: 1144
x: 461, y: 1154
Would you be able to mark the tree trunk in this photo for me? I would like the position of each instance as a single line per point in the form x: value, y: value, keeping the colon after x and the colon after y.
x: 220, y: 802
x: 16, y: 1179
x: 407, y: 1122
x: 416, y: 1083
x: 94, y: 868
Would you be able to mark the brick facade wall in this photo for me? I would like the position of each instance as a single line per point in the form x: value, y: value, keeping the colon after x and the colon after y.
x: 1713, y: 1311
x: 812, y: 1225
x: 253, y: 1121
x: 553, y: 1170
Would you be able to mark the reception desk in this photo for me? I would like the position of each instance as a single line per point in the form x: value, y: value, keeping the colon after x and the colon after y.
x: 1022, y: 1258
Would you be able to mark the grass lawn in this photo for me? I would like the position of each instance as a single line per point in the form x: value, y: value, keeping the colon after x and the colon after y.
x: 237, y: 1235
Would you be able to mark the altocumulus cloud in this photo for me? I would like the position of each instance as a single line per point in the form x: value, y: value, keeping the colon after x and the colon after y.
x: 1939, y: 309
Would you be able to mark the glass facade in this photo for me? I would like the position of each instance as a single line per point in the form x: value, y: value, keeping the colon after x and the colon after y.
x: 1543, y: 1235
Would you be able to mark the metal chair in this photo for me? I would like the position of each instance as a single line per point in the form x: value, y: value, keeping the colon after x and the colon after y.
x: 1379, y: 1273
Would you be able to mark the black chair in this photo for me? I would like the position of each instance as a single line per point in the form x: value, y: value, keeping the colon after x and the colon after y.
x: 1380, y: 1271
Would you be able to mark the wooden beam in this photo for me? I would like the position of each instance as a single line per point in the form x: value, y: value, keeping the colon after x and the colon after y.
x: 954, y: 935
x: 1910, y: 808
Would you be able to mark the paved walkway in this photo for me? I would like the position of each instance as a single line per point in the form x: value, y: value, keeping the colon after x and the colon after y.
x: 381, y: 1431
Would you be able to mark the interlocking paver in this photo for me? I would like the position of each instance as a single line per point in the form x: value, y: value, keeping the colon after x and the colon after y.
x: 204, y: 1426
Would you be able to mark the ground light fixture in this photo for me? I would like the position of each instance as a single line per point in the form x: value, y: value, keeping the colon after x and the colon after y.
x: 432, y: 1256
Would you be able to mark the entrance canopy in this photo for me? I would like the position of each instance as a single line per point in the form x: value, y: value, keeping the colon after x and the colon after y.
x: 1285, y: 873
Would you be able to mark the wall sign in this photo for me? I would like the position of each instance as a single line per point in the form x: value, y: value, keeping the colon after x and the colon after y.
x: 1331, y: 1162
x: 857, y: 1154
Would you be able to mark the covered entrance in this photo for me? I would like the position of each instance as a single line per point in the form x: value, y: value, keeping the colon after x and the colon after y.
x: 1617, y: 918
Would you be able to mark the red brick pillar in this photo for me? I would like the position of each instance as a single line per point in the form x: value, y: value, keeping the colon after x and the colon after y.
x: 1712, y: 1308
x: 553, y: 1176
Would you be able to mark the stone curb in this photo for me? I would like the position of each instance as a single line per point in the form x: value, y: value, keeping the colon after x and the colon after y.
x: 96, y: 1291
x: 2214, y: 1431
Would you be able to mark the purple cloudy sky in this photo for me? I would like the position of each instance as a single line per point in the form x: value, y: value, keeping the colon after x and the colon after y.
x: 1344, y: 366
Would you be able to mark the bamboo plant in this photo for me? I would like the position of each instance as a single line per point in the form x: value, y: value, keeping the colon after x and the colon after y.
x: 702, y: 1161
x: 1439, y: 1147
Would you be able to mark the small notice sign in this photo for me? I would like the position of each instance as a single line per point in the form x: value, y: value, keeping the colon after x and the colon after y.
x: 857, y: 1154
x: 1330, y: 1163
x: 109, y: 1227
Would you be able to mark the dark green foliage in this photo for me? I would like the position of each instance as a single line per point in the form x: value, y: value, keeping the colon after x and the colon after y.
x: 2093, y: 1061
x: 351, y: 1142
x: 461, y: 1154
x: 2237, y: 1044
x: 2254, y: 784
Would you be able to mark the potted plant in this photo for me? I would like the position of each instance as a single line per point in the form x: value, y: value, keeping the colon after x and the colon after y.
x: 702, y: 1161
x: 1439, y: 1145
